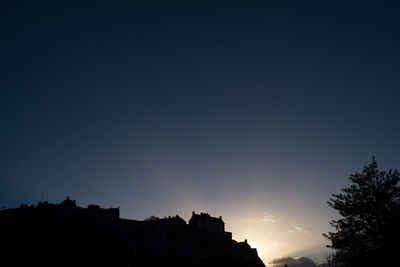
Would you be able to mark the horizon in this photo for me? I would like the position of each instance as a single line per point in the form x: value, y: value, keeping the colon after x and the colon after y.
x: 256, y: 111
x: 316, y: 257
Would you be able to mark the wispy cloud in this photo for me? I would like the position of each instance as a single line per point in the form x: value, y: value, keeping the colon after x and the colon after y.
x: 297, y: 229
x: 299, y: 262
x: 268, y: 219
x: 301, y: 229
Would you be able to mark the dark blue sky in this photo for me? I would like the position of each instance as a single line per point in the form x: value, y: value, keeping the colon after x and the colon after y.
x: 251, y: 109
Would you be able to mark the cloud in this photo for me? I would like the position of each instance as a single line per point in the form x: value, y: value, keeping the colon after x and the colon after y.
x: 298, y: 228
x: 268, y: 219
x: 292, y: 262
x: 324, y: 265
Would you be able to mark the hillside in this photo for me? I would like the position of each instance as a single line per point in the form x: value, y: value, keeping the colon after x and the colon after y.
x: 67, y: 235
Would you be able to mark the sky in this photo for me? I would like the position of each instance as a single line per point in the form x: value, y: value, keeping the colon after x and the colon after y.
x: 256, y: 111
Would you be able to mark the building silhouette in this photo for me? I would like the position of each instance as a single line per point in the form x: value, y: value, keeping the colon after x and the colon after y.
x: 208, y: 223
x: 68, y: 235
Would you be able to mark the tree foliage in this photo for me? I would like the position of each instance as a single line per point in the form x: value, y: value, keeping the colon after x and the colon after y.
x: 368, y: 231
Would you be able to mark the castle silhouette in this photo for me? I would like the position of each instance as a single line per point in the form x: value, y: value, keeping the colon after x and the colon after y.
x: 96, y: 236
x: 202, y: 221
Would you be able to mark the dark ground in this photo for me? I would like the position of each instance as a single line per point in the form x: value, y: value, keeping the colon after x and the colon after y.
x: 33, y: 236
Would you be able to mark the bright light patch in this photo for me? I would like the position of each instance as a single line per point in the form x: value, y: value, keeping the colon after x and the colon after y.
x: 268, y: 219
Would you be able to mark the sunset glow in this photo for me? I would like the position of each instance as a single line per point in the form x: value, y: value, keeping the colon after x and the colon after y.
x: 256, y: 111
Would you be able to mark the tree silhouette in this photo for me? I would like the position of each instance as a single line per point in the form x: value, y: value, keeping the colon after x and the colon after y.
x: 368, y: 232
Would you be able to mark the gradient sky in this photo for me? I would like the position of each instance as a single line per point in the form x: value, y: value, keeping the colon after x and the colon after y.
x: 254, y: 110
